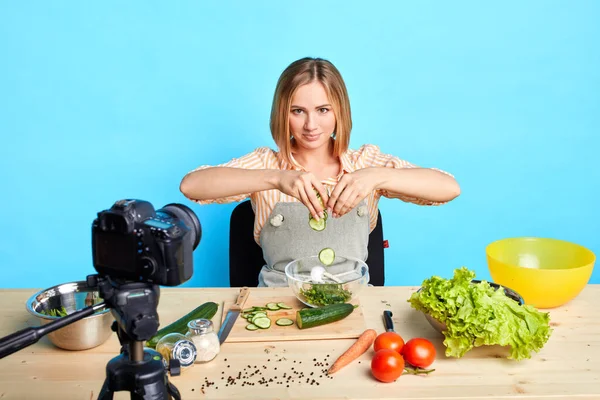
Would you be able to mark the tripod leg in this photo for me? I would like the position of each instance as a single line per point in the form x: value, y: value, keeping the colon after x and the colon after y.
x: 105, y: 392
x: 172, y: 390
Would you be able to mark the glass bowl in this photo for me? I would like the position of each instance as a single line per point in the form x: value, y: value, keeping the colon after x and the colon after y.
x: 315, y: 284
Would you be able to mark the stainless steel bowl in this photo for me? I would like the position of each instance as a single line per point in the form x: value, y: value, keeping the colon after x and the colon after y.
x: 84, y: 334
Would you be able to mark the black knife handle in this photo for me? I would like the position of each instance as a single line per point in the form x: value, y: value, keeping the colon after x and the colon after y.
x: 387, y: 321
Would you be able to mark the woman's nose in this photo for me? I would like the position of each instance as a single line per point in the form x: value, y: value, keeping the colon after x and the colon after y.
x: 311, y: 123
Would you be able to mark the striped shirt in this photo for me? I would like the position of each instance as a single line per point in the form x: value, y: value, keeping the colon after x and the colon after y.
x: 263, y: 202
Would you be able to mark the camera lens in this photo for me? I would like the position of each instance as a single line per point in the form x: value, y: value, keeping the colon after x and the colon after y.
x: 188, y: 217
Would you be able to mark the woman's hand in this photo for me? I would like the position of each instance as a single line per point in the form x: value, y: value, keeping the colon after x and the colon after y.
x: 304, y: 186
x: 351, y: 190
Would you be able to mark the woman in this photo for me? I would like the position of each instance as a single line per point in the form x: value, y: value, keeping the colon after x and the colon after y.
x: 314, y: 169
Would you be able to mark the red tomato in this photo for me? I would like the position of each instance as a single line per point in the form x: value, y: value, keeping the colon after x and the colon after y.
x: 387, y: 365
x: 419, y: 352
x: 389, y: 340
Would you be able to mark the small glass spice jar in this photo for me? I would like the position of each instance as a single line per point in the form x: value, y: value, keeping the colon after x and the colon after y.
x: 201, y: 332
x: 176, y: 346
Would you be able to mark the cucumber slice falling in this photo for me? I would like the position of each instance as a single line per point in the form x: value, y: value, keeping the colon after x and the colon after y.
x: 327, y: 256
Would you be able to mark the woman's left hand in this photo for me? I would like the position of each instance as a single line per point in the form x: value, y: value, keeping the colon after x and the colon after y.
x: 351, y: 190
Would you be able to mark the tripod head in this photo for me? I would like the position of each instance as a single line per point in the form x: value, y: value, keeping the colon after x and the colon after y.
x: 133, y: 304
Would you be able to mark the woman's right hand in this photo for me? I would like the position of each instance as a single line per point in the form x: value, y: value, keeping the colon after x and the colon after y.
x: 304, y: 186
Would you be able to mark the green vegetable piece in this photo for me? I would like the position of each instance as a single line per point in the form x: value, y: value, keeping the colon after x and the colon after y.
x: 312, y: 317
x: 317, y: 225
x: 251, y: 327
x: 325, y: 294
x: 284, y: 322
x: 55, y: 312
x: 206, y: 310
x: 327, y: 256
x: 262, y: 323
x: 258, y: 315
x: 476, y: 314
x: 284, y: 306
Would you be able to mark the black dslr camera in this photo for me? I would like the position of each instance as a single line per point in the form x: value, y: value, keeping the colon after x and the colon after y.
x: 133, y: 242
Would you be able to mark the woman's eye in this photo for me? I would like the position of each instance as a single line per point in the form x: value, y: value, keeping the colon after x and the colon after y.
x: 297, y: 111
x: 323, y: 110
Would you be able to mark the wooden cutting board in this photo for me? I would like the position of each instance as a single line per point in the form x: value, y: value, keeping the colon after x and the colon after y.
x: 350, y: 327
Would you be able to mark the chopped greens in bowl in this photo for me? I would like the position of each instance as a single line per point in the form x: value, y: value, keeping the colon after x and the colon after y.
x: 316, y: 283
x: 325, y: 294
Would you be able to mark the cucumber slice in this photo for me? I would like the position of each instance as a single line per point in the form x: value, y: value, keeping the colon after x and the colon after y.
x: 325, y: 215
x: 317, y: 225
x: 284, y: 322
x: 284, y: 306
x: 273, y: 306
x: 258, y: 315
x: 327, y: 256
x: 262, y: 323
x: 319, y: 198
x: 251, y: 327
x: 248, y: 310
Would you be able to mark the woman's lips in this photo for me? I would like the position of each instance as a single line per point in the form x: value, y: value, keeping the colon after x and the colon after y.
x: 312, y: 137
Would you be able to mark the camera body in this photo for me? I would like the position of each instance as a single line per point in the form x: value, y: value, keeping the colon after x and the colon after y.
x: 132, y: 241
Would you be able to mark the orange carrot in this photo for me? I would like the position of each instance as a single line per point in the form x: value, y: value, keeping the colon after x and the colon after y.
x: 362, y: 344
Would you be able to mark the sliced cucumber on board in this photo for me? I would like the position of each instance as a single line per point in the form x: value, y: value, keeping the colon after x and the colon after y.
x: 284, y: 322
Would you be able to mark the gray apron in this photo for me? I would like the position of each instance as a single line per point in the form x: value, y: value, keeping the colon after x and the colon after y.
x: 286, y: 236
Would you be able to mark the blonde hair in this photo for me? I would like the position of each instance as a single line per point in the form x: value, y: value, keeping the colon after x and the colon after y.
x: 302, y: 72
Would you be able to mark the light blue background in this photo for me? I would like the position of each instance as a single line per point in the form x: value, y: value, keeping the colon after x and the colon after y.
x: 107, y: 100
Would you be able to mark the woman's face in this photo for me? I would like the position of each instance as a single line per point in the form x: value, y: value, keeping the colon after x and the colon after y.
x: 312, y: 120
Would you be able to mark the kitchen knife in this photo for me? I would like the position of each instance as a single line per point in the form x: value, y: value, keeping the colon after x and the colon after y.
x: 387, y: 321
x: 233, y: 314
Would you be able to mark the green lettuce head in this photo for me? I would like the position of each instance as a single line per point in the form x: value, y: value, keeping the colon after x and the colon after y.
x: 476, y: 314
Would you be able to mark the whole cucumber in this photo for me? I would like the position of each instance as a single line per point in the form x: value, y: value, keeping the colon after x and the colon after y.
x: 206, y: 311
x: 310, y: 317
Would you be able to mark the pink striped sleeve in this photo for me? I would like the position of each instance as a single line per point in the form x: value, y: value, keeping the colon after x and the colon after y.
x: 371, y: 156
x: 261, y: 158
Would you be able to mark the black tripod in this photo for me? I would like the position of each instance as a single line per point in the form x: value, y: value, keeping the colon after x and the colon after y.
x: 137, y: 370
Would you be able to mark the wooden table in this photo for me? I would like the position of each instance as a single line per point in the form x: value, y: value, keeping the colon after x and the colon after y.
x: 567, y: 367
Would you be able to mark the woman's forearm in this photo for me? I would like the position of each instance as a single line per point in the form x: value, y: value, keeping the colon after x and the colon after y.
x: 217, y: 182
x: 422, y: 183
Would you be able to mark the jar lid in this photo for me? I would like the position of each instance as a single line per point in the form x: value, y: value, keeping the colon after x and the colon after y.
x: 200, y: 326
x: 185, y: 351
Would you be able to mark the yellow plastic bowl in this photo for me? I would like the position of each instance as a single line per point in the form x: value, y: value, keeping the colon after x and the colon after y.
x: 547, y: 273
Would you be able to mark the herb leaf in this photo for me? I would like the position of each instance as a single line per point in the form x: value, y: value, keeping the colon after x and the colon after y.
x: 325, y: 294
